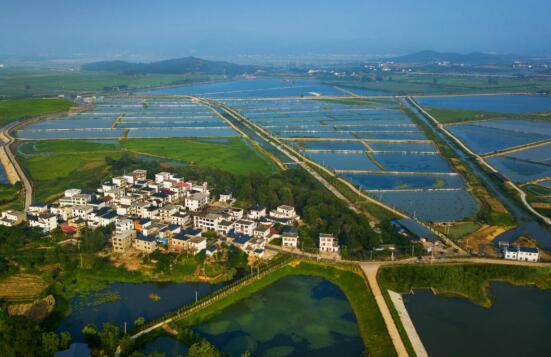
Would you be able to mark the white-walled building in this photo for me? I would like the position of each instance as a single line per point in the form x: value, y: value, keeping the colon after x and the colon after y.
x: 328, y: 243
x: 256, y: 212
x: 245, y: 226
x: 289, y: 238
x: 284, y: 212
x: 196, y: 201
x: 12, y: 218
x: 207, y: 221
x: 525, y: 254
x: 123, y: 224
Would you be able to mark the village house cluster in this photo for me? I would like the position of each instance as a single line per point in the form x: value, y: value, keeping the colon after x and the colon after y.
x: 166, y: 212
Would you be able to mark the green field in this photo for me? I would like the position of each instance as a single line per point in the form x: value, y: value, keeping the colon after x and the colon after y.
x: 467, y: 280
x: 57, y: 165
x: 19, y: 82
x: 15, y: 109
x: 10, y: 196
x: 229, y: 154
x: 410, y: 84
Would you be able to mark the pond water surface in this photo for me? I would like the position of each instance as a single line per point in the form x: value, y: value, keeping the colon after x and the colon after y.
x: 295, y: 316
x: 491, y: 103
x: 133, y: 301
x: 517, y: 324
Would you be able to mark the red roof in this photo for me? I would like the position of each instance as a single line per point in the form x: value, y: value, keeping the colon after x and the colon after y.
x: 107, y: 198
x: 183, y: 184
x: 68, y: 229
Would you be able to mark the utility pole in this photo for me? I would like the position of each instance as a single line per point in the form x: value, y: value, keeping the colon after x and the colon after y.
x: 196, y: 296
x: 125, y: 327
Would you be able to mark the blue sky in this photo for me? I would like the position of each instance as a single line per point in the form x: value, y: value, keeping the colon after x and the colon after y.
x: 168, y: 28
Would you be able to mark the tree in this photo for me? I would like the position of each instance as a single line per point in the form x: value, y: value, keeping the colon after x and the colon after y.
x: 202, y: 349
x: 50, y: 342
x: 139, y: 321
x: 91, y: 334
x: 92, y: 240
x: 64, y: 340
x: 109, y: 338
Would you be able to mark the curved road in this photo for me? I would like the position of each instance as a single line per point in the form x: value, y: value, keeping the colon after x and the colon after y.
x: 27, y: 186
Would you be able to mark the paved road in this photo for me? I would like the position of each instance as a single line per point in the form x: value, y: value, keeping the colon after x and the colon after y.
x: 27, y: 186
x: 411, y: 331
x: 370, y: 270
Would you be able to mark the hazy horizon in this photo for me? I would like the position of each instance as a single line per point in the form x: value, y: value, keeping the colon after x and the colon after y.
x: 223, y: 30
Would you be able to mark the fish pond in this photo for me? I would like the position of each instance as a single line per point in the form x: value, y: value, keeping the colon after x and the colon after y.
x: 135, y: 118
x: 491, y: 103
x: 253, y: 88
x: 517, y: 323
x: 295, y: 316
x: 125, y: 302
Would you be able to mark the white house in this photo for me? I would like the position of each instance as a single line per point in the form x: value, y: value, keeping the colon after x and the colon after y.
x: 123, y: 225
x: 283, y: 212
x: 207, y: 221
x: 12, y: 218
x: 196, y: 201
x: 197, y: 244
x: 289, y: 238
x: 328, y: 243
x: 46, y: 222
x: 257, y: 211
x: 525, y: 254
x: 226, y: 197
x: 180, y: 219
x: 245, y: 226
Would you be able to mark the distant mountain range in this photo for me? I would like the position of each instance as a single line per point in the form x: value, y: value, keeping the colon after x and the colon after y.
x: 474, y: 58
x: 171, y: 66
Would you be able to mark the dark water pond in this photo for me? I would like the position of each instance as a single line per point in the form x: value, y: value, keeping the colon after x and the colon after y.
x: 517, y: 324
x: 133, y: 300
x: 296, y: 316
x: 165, y: 344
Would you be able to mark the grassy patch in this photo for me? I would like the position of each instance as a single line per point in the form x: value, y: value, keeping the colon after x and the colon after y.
x: 57, y: 165
x: 232, y: 154
x: 411, y: 83
x: 10, y: 196
x: 22, y: 287
x: 461, y: 229
x: 467, y: 280
x: 27, y: 81
x: 11, y: 110
x: 351, y: 281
